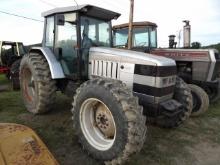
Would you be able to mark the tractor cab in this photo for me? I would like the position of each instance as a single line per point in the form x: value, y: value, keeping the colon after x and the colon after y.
x: 71, y: 31
x: 10, y: 52
x: 10, y: 56
x: 144, y: 36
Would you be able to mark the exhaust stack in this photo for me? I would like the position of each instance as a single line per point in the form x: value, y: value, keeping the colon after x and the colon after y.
x: 172, y: 43
x: 186, y: 34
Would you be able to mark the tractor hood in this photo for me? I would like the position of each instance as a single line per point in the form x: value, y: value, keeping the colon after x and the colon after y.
x: 149, y: 75
x: 128, y: 56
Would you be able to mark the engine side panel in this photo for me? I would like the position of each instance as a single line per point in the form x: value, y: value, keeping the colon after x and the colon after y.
x: 200, y: 70
x: 203, y: 60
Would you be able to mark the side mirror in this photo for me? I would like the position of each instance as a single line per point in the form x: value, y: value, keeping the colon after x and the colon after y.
x: 60, y: 19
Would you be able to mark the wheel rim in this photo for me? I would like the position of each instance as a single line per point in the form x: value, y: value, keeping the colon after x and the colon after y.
x: 28, y: 84
x: 97, y: 124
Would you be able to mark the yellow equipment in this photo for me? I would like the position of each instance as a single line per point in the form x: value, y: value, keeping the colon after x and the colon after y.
x: 20, y: 145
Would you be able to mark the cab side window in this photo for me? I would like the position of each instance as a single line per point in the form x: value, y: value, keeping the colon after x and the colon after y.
x: 49, y: 40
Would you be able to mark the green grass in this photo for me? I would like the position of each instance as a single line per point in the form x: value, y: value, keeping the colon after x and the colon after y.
x: 196, y: 142
x: 3, y: 79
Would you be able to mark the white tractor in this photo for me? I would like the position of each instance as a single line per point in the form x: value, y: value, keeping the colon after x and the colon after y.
x: 109, y: 85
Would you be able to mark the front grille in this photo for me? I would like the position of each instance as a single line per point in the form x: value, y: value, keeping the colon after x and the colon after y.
x: 153, y: 91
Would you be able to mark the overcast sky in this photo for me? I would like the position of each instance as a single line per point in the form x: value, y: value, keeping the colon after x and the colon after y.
x: 167, y: 14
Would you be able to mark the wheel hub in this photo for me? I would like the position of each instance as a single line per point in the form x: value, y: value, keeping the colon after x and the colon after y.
x: 104, y: 121
x: 196, y: 105
x: 97, y: 124
x: 31, y: 84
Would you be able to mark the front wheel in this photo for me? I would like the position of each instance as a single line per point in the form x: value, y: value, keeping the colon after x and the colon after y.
x: 200, y: 100
x: 108, y: 120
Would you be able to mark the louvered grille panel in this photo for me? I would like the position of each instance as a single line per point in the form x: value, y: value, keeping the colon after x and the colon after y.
x: 105, y: 69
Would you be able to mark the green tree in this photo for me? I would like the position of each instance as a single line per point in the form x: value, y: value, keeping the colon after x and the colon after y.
x: 196, y: 45
x: 215, y: 46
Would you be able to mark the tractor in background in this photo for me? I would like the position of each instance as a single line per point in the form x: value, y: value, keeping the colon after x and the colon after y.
x: 10, y: 58
x: 197, y: 67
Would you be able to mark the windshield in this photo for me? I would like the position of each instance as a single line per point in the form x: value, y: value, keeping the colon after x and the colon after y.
x: 142, y: 37
x: 95, y: 31
x: 121, y: 38
x: 21, y: 49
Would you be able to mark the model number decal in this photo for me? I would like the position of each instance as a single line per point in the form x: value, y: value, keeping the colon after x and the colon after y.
x: 181, y: 54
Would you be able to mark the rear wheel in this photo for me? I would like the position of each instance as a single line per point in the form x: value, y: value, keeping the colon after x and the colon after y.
x: 37, y: 87
x: 200, y: 100
x: 108, y: 120
x: 212, y: 93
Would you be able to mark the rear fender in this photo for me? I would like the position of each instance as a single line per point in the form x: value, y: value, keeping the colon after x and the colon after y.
x: 55, y: 66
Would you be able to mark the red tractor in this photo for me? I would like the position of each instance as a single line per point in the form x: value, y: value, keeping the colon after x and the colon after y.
x: 10, y: 57
x: 198, y: 67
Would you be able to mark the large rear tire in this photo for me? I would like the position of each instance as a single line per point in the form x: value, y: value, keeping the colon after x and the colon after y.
x: 37, y: 87
x: 183, y: 95
x: 200, y: 100
x: 108, y: 120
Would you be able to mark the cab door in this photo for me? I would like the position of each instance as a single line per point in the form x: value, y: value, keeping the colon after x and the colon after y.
x: 65, y: 43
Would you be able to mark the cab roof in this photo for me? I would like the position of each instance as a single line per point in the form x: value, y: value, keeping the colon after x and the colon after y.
x: 86, y: 9
x: 135, y: 24
x: 10, y: 42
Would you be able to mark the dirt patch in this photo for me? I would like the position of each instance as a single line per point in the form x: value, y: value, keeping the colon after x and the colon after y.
x: 205, y: 153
